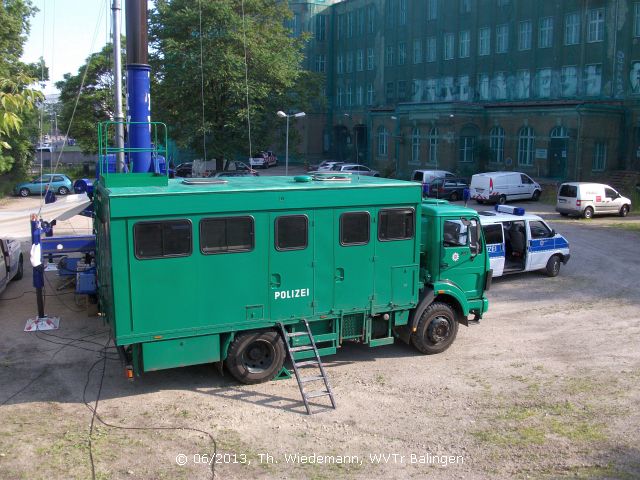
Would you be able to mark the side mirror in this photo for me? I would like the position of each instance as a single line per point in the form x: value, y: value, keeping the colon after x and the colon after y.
x: 474, y: 248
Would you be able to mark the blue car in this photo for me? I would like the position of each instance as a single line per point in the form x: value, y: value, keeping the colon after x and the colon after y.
x: 58, y: 183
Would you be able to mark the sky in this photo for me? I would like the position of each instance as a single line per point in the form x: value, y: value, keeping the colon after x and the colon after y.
x: 63, y: 33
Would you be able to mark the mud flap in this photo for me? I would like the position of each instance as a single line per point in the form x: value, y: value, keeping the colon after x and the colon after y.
x: 404, y: 332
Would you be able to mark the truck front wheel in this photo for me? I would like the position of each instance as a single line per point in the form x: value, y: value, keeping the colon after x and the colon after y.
x: 256, y: 357
x: 436, y: 330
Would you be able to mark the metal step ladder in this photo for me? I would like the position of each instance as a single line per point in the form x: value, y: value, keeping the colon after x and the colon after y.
x: 306, y: 396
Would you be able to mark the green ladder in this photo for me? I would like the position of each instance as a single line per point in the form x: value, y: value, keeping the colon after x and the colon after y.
x: 302, y: 381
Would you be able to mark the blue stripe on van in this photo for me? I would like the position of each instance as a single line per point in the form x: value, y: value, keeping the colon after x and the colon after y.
x: 495, y: 250
x: 545, y: 244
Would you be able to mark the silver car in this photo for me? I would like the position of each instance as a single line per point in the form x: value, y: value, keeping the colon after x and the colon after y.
x: 355, y: 169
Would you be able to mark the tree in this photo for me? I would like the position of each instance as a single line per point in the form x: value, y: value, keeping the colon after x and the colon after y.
x: 95, y: 102
x: 17, y: 99
x: 276, y: 80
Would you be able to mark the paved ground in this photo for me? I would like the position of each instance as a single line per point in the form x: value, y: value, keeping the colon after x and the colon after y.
x: 545, y: 387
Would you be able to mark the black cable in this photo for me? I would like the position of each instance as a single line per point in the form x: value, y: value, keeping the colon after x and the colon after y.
x: 44, y: 370
x: 62, y: 301
x: 112, y: 357
x: 95, y: 416
x: 33, y: 291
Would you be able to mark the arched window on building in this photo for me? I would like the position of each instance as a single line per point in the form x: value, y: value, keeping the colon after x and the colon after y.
x: 383, y: 141
x: 433, y: 146
x: 526, y: 141
x: 559, y: 132
x: 468, y: 141
x: 415, y: 146
x: 496, y: 144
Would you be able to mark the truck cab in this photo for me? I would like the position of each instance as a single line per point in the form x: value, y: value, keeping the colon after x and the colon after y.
x: 454, y: 262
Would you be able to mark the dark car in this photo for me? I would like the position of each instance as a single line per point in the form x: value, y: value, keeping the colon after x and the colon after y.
x: 184, y: 169
x: 448, y: 188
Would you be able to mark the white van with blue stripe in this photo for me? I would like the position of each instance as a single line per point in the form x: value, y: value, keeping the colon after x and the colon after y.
x: 520, y: 242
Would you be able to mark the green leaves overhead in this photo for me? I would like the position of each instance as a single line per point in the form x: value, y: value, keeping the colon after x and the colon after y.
x: 17, y: 99
x: 95, y: 103
x: 273, y: 69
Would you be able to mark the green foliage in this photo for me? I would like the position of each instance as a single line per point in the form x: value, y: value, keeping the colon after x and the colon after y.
x: 276, y: 80
x: 17, y: 99
x: 95, y: 103
x: 14, y: 28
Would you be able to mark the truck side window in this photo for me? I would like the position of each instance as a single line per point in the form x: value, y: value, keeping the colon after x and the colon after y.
x: 457, y: 234
x: 610, y: 193
x: 396, y: 224
x: 493, y: 233
x: 539, y: 230
x: 168, y: 238
x: 474, y: 236
x: 231, y: 234
x: 292, y: 232
x: 354, y: 228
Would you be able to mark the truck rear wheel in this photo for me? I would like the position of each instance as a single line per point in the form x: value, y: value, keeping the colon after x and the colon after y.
x: 436, y: 329
x: 256, y: 357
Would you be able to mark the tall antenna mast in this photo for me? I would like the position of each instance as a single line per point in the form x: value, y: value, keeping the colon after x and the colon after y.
x: 118, y: 116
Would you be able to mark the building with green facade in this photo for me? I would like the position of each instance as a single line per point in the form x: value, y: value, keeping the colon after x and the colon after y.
x: 548, y: 87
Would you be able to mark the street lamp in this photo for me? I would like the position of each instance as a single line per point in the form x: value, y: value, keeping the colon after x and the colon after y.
x: 281, y: 114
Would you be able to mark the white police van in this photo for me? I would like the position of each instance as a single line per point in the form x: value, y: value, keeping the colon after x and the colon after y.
x: 519, y: 242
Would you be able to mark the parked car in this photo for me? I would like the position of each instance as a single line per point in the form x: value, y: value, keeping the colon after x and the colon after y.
x: 184, y: 169
x: 450, y: 188
x: 355, y: 169
x: 11, y: 262
x: 324, y: 166
x: 500, y: 187
x: 235, y: 173
x: 589, y: 199
x: 264, y: 160
x: 427, y: 176
x: 521, y: 242
x: 44, y: 147
x: 58, y: 183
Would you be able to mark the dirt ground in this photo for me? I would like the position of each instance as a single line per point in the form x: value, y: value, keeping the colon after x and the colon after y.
x: 545, y: 387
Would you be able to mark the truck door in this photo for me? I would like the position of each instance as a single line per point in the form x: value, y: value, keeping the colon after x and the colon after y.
x: 459, y: 262
x: 291, y: 265
x: 354, y: 252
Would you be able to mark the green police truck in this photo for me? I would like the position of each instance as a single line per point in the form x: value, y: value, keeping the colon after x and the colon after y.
x: 194, y: 271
